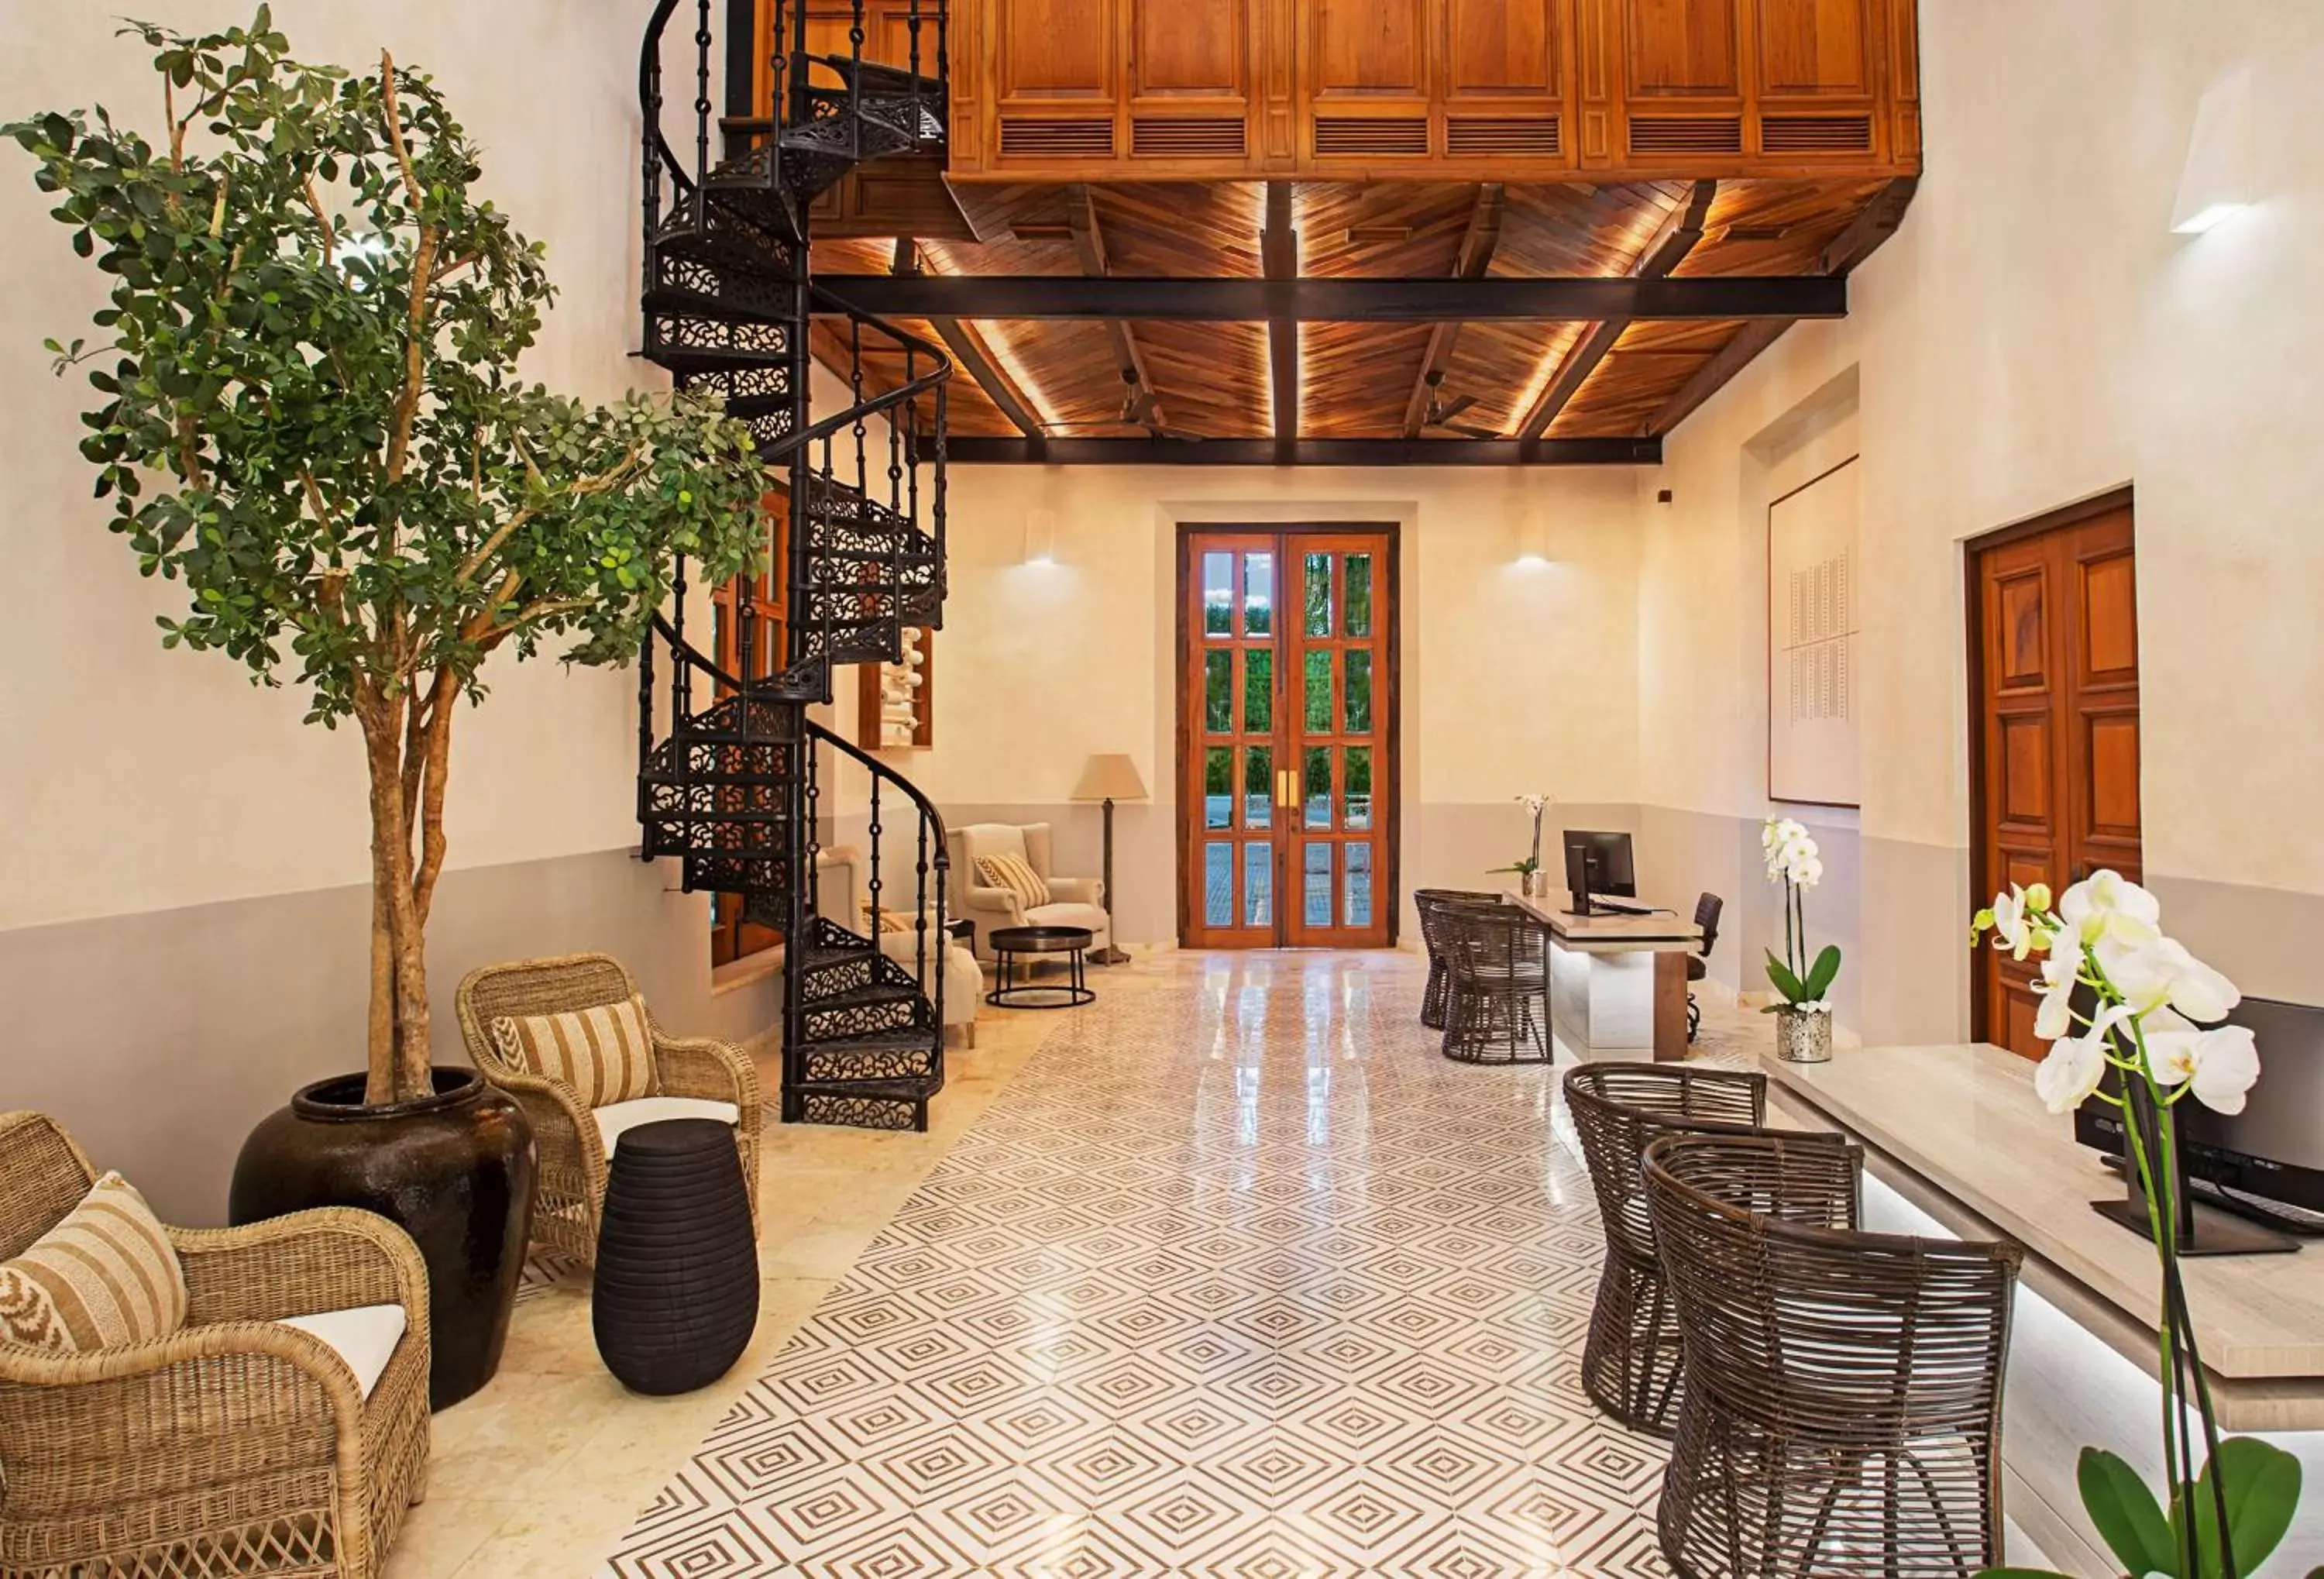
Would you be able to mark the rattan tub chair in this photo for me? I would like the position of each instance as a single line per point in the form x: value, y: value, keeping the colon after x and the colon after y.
x: 1430, y: 902
x: 1497, y: 993
x: 1842, y: 1409
x: 1631, y: 1363
x: 234, y: 1446
x: 569, y: 1191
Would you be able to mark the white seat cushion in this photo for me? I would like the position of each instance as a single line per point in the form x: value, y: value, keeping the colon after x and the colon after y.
x: 1090, y: 917
x: 615, y: 1117
x: 364, y: 1337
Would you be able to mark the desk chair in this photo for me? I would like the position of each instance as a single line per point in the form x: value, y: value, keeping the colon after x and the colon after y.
x: 1698, y: 966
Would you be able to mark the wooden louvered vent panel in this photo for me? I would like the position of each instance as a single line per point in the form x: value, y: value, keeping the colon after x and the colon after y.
x: 1815, y: 133
x: 1025, y: 138
x: 1186, y: 136
x: 1478, y: 135
x: 1656, y: 135
x: 1362, y: 135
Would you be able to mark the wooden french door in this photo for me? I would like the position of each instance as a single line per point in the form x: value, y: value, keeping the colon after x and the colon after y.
x: 1286, y: 726
x: 2055, y: 717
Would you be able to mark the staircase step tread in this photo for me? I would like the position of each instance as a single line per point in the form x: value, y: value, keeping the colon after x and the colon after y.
x: 913, y: 1088
x: 906, y: 1040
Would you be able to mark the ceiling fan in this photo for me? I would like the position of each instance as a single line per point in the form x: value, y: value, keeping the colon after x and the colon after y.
x: 1440, y: 412
x: 1138, y: 409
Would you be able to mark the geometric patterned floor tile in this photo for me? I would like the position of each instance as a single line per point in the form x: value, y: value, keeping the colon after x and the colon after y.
x: 1237, y: 1277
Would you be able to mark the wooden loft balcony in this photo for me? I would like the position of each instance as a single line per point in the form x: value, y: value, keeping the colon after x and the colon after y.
x: 1394, y: 173
x: 1507, y: 90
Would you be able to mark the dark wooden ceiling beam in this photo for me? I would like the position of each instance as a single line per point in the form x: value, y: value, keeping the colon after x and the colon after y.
x: 1477, y: 245
x: 1498, y: 298
x: 1361, y: 452
x: 969, y: 351
x: 1681, y: 229
x: 1279, y: 251
x: 1089, y: 246
x: 1859, y: 241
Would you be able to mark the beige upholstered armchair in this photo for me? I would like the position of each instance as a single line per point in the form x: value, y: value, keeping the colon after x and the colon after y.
x: 239, y: 1444
x: 697, y: 1079
x: 1073, y: 901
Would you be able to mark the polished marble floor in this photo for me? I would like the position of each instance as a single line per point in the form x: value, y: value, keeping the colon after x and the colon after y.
x: 1235, y: 1276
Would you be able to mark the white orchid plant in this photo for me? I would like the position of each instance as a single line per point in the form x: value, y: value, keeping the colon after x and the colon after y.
x: 2146, y: 1011
x: 1534, y: 805
x: 1795, y: 861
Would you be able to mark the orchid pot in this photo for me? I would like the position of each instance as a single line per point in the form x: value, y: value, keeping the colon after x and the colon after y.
x: 1803, y: 1033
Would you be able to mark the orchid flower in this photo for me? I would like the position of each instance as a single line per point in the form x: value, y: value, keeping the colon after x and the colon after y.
x: 2219, y: 1066
x: 2077, y: 1064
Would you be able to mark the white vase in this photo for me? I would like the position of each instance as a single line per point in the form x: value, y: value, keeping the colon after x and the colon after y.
x: 1803, y: 1038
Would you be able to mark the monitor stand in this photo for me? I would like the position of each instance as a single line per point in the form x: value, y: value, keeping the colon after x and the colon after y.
x: 2214, y: 1233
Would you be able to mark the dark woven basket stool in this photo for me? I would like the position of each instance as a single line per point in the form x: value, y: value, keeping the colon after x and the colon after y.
x: 678, y: 1270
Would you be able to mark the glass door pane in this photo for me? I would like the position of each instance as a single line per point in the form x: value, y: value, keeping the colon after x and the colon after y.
x: 1340, y: 738
x: 1230, y: 714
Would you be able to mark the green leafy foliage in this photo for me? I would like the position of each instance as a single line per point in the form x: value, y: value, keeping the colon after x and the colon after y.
x: 2263, y: 1485
x: 1780, y: 974
x: 1824, y: 972
x: 2127, y: 1517
x: 311, y: 409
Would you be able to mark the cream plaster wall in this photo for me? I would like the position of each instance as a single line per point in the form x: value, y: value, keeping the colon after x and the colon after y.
x: 140, y: 779
x: 1514, y: 677
x: 2033, y: 335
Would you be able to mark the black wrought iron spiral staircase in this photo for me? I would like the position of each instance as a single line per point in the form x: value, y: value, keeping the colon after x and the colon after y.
x: 730, y: 779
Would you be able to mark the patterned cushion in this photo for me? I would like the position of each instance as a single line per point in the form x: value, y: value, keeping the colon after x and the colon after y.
x: 107, y: 1275
x: 605, y: 1053
x: 889, y: 920
x: 1011, y: 872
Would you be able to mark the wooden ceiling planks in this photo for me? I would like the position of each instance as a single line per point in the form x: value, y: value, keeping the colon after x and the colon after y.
x: 1367, y: 381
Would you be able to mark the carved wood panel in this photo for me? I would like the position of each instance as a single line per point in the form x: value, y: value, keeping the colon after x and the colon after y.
x: 1428, y: 89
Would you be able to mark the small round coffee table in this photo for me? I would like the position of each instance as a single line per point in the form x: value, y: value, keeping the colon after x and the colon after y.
x: 1010, y: 945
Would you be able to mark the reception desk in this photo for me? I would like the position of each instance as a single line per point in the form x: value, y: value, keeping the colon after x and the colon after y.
x: 1617, y: 984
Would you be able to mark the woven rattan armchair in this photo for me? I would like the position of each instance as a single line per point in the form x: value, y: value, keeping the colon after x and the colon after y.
x: 1497, y: 993
x: 569, y: 1191
x: 233, y: 1446
x: 1842, y: 1411
x: 1631, y: 1364
x: 1430, y: 902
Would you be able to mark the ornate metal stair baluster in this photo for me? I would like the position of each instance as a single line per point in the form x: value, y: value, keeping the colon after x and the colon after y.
x: 735, y: 790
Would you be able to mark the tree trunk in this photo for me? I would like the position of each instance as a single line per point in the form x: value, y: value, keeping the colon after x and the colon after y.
x: 400, y: 1046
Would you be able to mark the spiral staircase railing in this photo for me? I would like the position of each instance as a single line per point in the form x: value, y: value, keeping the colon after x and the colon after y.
x: 730, y: 782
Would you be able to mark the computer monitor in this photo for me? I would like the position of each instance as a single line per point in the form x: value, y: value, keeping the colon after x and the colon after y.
x: 1607, y: 857
x: 2271, y: 1154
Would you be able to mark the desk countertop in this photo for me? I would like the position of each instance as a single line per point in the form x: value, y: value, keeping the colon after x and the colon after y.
x: 1610, y: 933
x: 1965, y: 1119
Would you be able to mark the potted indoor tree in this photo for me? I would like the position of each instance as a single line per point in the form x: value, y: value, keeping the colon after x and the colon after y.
x: 312, y: 417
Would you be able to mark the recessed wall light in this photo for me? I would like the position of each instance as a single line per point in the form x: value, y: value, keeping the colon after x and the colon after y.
x: 1041, y: 537
x: 2216, y: 181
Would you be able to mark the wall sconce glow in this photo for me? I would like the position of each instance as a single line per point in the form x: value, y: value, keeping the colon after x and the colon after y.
x: 2216, y: 182
x: 1041, y: 537
x: 1533, y: 538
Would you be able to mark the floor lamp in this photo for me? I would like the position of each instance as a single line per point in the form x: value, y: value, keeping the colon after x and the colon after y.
x: 1110, y: 777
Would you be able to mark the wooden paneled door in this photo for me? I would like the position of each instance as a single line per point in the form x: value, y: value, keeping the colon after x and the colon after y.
x: 1287, y: 731
x: 2055, y: 663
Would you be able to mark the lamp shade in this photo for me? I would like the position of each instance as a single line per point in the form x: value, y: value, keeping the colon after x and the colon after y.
x: 1110, y: 777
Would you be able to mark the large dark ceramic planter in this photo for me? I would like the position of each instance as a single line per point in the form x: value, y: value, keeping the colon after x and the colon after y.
x: 454, y: 1170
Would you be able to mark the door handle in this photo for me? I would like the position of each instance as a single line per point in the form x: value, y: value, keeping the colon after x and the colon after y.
x: 1283, y: 795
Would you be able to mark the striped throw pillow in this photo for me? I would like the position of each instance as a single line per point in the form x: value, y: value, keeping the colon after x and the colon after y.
x: 104, y: 1276
x: 605, y: 1054
x: 1011, y: 872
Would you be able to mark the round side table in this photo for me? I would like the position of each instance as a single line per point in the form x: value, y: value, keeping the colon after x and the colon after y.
x: 677, y: 1293
x: 1011, y: 948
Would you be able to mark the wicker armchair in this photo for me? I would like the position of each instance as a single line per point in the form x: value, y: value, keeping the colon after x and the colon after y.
x: 1497, y: 994
x: 1430, y: 902
x: 1843, y: 1413
x: 233, y: 1446
x: 569, y: 1191
x: 1632, y: 1363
